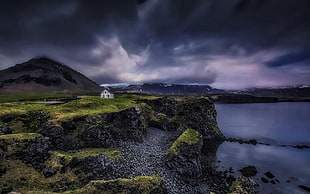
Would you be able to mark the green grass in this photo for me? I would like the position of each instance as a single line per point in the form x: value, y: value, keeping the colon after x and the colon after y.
x: 25, y: 179
x: 20, y: 136
x: 85, y: 105
x: 112, y: 153
x: 188, y: 137
x: 140, y: 184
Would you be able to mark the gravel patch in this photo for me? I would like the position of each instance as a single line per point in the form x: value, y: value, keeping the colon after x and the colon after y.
x: 146, y: 158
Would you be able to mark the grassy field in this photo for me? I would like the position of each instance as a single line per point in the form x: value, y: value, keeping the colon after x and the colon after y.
x: 17, y: 105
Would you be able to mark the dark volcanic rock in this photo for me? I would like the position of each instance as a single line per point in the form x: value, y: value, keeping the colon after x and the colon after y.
x: 98, y: 167
x: 57, y: 137
x: 199, y: 114
x: 304, y: 187
x: 160, y: 121
x: 269, y: 175
x: 165, y: 105
x: 3, y: 170
x: 49, y: 171
x: 5, y: 190
x: 129, y: 124
x: 264, y: 180
x: 248, y: 171
x: 5, y: 130
x: 37, y: 152
x: 185, y: 153
x: 98, y: 136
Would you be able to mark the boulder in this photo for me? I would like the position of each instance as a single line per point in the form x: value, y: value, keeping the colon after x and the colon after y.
x: 248, y: 171
x: 185, y: 153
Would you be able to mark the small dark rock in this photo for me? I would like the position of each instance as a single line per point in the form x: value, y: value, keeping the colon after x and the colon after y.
x: 264, y: 180
x: 269, y: 175
x: 48, y: 172
x: 252, y: 141
x: 5, y: 130
x: 273, y: 182
x: 3, y: 170
x: 304, y: 187
x: 248, y: 171
x: 6, y: 190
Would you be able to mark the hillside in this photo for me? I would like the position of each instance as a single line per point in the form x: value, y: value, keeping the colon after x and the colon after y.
x: 43, y: 75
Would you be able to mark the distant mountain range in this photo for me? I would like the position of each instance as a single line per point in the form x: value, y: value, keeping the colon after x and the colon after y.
x: 284, y: 92
x: 175, y: 89
x: 43, y: 75
x: 160, y: 88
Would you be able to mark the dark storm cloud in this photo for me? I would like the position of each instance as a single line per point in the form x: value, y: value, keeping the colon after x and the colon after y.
x: 289, y: 59
x: 201, y: 41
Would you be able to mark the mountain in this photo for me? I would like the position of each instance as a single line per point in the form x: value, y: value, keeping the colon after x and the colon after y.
x: 280, y: 92
x: 176, y: 89
x: 160, y: 88
x: 43, y: 75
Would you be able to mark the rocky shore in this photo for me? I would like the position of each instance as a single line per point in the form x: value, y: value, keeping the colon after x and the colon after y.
x: 159, y: 146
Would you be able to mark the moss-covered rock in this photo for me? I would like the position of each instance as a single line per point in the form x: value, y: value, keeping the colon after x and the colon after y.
x: 129, y: 124
x: 198, y: 114
x: 160, y: 121
x: 138, y: 185
x: 11, y: 145
x: 25, y: 179
x: 163, y: 105
x: 185, y: 153
x: 243, y: 185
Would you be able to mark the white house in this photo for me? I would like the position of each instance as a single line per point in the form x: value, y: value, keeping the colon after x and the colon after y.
x: 106, y: 94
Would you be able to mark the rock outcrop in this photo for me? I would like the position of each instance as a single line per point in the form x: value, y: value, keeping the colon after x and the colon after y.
x: 69, y: 152
x: 37, y: 152
x: 184, y: 154
x: 98, y: 167
x: 198, y: 114
x: 110, y: 128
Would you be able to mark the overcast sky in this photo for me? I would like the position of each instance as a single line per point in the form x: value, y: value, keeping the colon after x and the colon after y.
x: 224, y: 43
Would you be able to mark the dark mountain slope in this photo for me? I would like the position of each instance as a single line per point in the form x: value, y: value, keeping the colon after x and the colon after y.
x: 43, y: 75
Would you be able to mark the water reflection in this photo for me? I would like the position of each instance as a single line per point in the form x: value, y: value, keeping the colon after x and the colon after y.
x: 274, y: 123
x: 283, y: 123
x: 286, y: 164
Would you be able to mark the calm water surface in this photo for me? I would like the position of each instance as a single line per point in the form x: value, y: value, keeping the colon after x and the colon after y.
x: 273, y: 123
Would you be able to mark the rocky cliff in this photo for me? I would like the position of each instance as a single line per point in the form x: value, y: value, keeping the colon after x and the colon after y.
x: 114, y: 147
